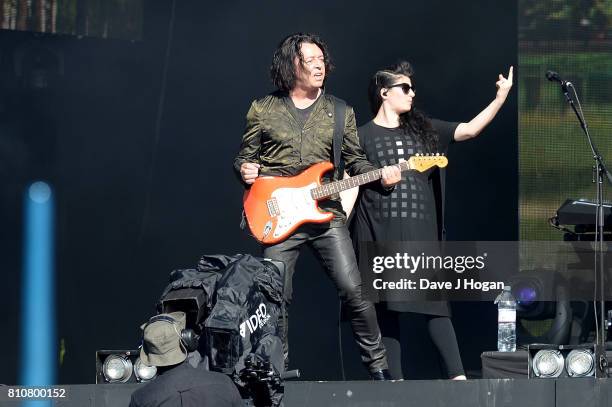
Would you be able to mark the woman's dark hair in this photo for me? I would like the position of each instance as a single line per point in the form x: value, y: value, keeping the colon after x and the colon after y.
x: 282, y: 70
x: 413, y: 120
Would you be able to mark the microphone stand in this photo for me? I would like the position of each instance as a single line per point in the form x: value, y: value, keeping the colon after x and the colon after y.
x: 600, y: 171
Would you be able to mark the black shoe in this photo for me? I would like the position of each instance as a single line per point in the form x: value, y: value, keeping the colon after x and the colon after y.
x: 381, y: 375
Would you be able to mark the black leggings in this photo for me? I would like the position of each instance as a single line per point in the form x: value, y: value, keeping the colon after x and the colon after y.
x: 441, y: 332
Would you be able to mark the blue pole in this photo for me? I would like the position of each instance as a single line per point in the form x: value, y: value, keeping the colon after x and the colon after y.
x: 38, y: 338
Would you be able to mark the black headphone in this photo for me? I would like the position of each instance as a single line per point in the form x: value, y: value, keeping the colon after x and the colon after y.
x: 189, y: 339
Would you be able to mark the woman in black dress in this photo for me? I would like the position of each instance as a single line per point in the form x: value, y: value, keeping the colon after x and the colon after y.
x: 408, y: 213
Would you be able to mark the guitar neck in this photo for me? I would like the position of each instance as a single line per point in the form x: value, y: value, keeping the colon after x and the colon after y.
x: 327, y: 190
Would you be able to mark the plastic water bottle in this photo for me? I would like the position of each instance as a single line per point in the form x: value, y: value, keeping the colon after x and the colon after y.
x: 506, y: 321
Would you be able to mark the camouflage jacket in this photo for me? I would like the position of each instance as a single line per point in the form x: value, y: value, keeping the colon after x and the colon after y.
x: 276, y: 138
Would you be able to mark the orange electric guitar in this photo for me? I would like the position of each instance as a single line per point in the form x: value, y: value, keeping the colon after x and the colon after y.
x: 276, y: 206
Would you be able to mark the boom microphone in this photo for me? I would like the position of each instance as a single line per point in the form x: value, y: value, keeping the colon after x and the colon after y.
x: 554, y: 77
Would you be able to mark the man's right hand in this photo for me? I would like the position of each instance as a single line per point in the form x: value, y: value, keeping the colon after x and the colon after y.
x: 248, y: 172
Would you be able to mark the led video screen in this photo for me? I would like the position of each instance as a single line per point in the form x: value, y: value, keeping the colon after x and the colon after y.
x: 120, y: 19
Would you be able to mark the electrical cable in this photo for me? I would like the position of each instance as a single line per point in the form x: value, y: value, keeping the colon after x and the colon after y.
x: 340, y: 340
x: 157, y: 128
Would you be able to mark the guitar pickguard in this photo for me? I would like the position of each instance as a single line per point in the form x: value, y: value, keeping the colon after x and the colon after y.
x: 294, y: 206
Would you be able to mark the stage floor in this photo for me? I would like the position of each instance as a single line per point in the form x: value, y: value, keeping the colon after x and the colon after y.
x: 588, y: 392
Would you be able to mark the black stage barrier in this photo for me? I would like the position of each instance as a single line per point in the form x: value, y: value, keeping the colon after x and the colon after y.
x: 472, y: 393
x: 585, y: 392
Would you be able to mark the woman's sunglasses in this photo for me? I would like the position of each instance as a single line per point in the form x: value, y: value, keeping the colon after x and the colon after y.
x: 406, y: 87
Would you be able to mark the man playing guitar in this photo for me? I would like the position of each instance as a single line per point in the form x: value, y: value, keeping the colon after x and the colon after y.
x: 287, y: 132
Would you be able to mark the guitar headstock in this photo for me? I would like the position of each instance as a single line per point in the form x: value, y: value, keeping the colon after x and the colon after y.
x: 424, y: 162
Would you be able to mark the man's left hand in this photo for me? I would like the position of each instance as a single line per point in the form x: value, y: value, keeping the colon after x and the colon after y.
x: 391, y: 175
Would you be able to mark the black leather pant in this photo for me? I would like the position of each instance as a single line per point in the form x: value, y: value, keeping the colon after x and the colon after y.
x: 334, y: 250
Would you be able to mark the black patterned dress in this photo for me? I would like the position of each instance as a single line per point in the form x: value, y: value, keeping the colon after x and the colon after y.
x: 411, y: 212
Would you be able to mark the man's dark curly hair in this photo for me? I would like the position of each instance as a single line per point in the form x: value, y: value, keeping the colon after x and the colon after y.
x: 414, y: 120
x: 282, y: 70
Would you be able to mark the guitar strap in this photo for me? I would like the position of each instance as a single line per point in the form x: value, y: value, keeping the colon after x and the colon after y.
x: 339, y: 118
